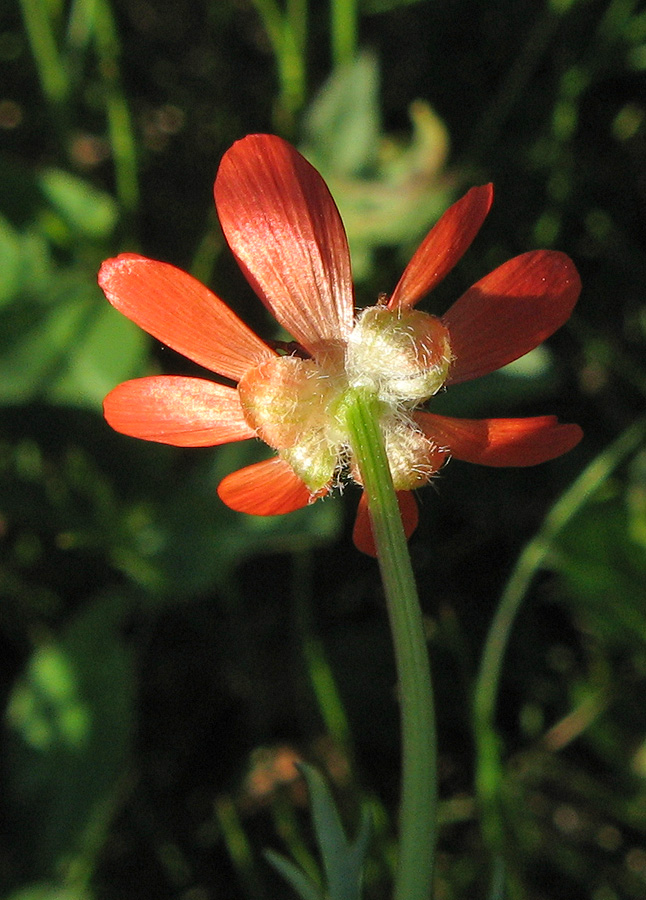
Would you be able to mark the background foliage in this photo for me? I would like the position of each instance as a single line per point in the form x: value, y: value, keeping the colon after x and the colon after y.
x: 165, y: 660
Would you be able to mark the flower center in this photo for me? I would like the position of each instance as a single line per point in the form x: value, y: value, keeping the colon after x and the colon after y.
x: 296, y: 405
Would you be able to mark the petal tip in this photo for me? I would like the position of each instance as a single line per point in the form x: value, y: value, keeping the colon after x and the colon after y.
x: 444, y: 245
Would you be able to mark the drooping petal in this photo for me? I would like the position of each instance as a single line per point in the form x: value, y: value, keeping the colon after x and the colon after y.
x: 442, y: 247
x: 181, y: 312
x: 267, y: 488
x: 509, y: 312
x: 170, y: 409
x: 283, y: 226
x: 501, y: 442
x: 362, y: 534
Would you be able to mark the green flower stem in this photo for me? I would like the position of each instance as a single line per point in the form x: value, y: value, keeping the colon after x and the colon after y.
x: 418, y: 811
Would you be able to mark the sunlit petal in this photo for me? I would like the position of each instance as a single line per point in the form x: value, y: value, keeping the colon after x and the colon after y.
x: 501, y: 442
x: 442, y: 247
x: 185, y: 412
x: 267, y: 488
x: 283, y: 227
x: 362, y: 534
x: 509, y: 312
x: 175, y: 308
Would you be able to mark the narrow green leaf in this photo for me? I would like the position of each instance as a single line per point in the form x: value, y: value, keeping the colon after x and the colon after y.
x: 343, y: 861
x: 380, y: 6
x: 302, y: 883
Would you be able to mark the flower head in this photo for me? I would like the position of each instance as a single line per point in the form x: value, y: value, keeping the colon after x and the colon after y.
x: 287, y: 236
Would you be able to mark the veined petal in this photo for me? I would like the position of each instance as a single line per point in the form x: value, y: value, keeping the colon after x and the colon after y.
x: 284, y: 229
x: 442, y: 247
x: 267, y: 488
x: 170, y: 409
x: 362, y: 534
x: 501, y: 442
x: 509, y: 312
x: 181, y: 312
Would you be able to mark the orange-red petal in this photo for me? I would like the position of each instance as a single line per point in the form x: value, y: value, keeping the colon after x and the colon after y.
x: 501, y: 442
x: 267, y: 488
x: 442, y: 247
x: 170, y: 409
x: 362, y: 534
x: 181, y: 312
x: 283, y: 226
x: 509, y: 312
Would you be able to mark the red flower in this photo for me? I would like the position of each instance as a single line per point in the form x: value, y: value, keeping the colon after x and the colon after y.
x: 286, y: 234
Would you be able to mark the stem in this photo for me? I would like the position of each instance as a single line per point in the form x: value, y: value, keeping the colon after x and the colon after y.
x: 120, y: 126
x: 318, y: 668
x: 489, y: 763
x: 287, y: 34
x: 344, y: 27
x: 418, y: 812
x: 50, y: 63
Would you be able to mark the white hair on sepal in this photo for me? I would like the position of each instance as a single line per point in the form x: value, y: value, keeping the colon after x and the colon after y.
x: 403, y: 356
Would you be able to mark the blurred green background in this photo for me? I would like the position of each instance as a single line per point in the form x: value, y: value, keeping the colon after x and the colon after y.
x: 164, y: 660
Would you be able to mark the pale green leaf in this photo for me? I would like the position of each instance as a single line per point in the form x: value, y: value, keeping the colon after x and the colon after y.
x: 69, y: 725
x: 84, y: 208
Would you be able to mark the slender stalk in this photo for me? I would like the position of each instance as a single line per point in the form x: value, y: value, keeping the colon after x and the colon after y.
x: 120, y: 126
x: 50, y: 63
x: 344, y: 17
x: 297, y: 16
x: 294, y: 58
x: 489, y: 767
x: 318, y: 669
x: 418, y: 812
x: 287, y: 34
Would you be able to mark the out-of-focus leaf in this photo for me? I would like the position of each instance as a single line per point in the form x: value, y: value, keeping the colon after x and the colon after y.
x: 530, y: 378
x: 21, y: 196
x: 379, y: 6
x: 343, y: 860
x: 163, y: 526
x: 59, y: 339
x: 25, y: 263
x: 74, y: 349
x: 343, y: 124
x: 302, y: 884
x: 602, y: 560
x: 109, y: 350
x: 82, y: 207
x: 387, y: 192
x: 69, y: 731
x: 10, y: 262
x: 49, y: 892
x: 65, y: 208
x: 191, y: 540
